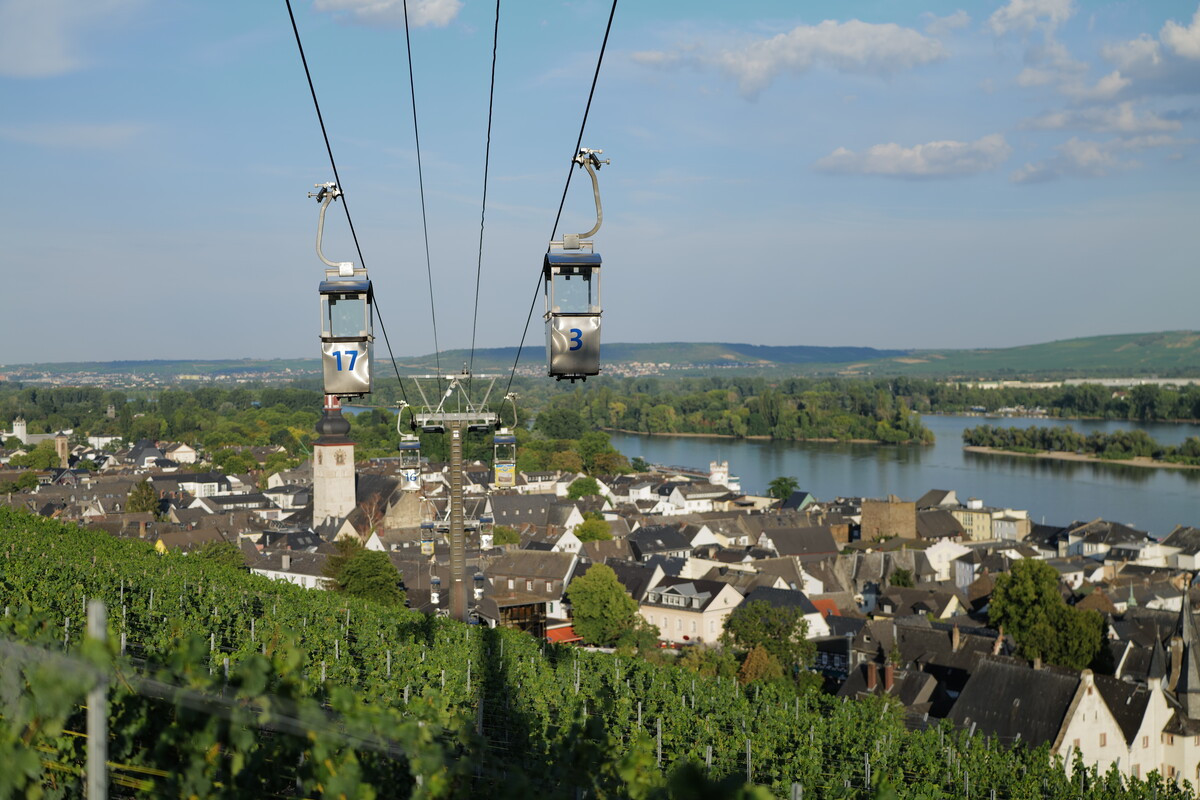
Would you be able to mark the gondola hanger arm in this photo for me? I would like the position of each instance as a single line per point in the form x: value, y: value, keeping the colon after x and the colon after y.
x: 589, y: 159
x: 326, y: 194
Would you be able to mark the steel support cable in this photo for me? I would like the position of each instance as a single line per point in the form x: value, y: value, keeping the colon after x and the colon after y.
x: 487, y: 155
x: 333, y: 164
x: 412, y: 89
x: 570, y: 171
x: 324, y: 133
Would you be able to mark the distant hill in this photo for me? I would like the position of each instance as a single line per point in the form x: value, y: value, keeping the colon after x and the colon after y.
x: 1166, y: 354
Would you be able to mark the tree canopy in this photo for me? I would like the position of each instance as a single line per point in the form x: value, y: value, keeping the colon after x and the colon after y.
x: 781, y: 488
x: 594, y: 528
x: 603, y: 613
x: 1028, y: 604
x: 781, y: 632
x: 370, y: 574
x: 582, y: 487
x: 142, y: 497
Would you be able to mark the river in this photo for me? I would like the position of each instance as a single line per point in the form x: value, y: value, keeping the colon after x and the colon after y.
x: 1055, y: 492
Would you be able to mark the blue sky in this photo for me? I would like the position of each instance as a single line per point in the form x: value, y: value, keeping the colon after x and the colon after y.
x: 851, y: 173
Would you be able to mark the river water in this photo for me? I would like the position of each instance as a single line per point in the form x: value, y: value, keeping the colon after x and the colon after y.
x: 1056, y: 492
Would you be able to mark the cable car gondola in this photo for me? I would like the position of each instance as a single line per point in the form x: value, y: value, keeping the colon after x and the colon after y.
x: 346, y: 317
x: 504, y: 445
x: 571, y: 277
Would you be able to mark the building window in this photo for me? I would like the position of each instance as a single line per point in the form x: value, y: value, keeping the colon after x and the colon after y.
x: 679, y: 623
x: 1103, y: 739
x: 529, y: 586
x: 693, y: 626
x: 1145, y: 742
x: 1137, y: 770
x: 510, y: 583
x: 1075, y: 744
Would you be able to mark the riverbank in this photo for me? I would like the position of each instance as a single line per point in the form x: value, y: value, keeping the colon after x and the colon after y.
x: 1058, y: 455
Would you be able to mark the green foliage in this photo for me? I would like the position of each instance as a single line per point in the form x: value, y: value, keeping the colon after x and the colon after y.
x: 582, y: 487
x: 1117, y: 445
x: 760, y: 666
x: 142, y: 498
x: 789, y: 409
x: 1027, y: 603
x: 222, y: 553
x: 594, y: 528
x: 781, y: 632
x: 781, y: 488
x: 601, y: 610
x: 44, y: 456
x: 560, y: 423
x: 370, y: 574
x: 639, y: 464
x: 504, y: 534
x: 901, y: 577
x: 557, y: 718
x: 347, y: 548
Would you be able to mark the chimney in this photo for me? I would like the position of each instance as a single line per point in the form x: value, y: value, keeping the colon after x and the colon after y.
x: 287, y: 562
x: 955, y: 639
x: 1037, y: 662
x: 889, y: 677
x: 872, y: 676
x: 999, y: 642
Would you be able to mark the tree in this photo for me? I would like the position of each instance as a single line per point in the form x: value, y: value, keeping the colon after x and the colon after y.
x: 370, y: 574
x: 220, y: 553
x: 1027, y: 602
x: 759, y: 665
x: 901, y: 577
x: 640, y: 464
x: 44, y: 456
x: 582, y: 487
x: 601, y: 609
x: 560, y: 423
x: 782, y: 632
x: 503, y: 534
x: 781, y: 488
x: 594, y: 528
x: 142, y: 497
x: 346, y: 549
x: 710, y: 662
x: 566, y: 461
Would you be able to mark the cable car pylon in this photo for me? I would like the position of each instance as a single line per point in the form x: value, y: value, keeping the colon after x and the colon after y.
x: 457, y: 414
x: 571, y: 275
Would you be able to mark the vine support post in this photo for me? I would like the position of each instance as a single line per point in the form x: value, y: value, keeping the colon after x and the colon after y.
x: 658, y: 738
x: 708, y: 759
x: 97, y: 711
x: 748, y: 772
x: 389, y: 663
x: 797, y: 791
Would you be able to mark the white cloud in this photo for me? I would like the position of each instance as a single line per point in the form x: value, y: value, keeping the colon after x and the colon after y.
x: 1121, y: 118
x: 75, y: 136
x: 390, y: 13
x: 932, y: 160
x: 1026, y: 16
x: 43, y: 38
x: 1184, y: 41
x: 1105, y: 89
x: 1142, y: 51
x: 852, y: 46
x: 1081, y: 158
x: 940, y: 26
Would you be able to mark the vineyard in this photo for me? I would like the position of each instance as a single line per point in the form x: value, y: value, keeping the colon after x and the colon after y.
x: 223, y: 684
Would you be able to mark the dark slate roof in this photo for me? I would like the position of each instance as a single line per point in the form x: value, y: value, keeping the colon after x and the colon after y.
x: 844, y: 626
x: 1046, y: 537
x: 803, y: 541
x: 1127, y: 702
x: 657, y: 539
x: 782, y: 598
x: 938, y: 524
x: 933, y: 498
x: 705, y: 591
x: 532, y: 564
x: 1186, y: 538
x: 796, y: 500
x: 1007, y: 699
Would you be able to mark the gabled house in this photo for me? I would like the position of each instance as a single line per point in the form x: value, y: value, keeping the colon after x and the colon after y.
x: 689, y: 611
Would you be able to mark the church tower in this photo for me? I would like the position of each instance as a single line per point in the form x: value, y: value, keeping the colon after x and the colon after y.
x: 333, y: 469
